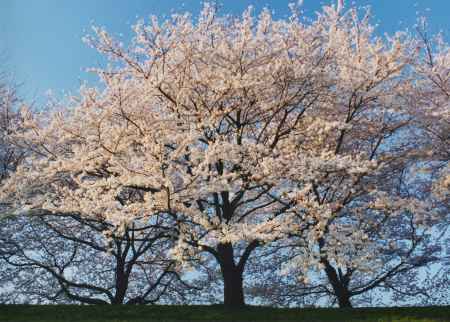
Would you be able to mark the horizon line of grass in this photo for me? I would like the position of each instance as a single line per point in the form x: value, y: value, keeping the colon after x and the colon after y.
x: 211, y: 313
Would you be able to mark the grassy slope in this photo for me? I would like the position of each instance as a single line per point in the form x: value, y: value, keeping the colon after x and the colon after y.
x: 68, y: 313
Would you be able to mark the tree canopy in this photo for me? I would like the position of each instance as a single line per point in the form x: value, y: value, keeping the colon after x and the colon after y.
x: 249, y: 131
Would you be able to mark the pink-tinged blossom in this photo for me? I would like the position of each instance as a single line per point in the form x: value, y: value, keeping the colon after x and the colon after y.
x: 246, y: 130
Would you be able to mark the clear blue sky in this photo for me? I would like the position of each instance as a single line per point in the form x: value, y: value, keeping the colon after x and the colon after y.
x: 41, y: 39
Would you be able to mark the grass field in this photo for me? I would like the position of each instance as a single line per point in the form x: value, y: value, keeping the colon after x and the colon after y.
x: 73, y: 313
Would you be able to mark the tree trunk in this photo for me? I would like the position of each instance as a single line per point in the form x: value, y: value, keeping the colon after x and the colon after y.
x: 233, y: 293
x: 339, y: 286
x: 344, y: 300
x: 121, y: 282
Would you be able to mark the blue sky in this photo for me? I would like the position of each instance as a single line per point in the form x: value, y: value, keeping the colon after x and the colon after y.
x: 41, y: 39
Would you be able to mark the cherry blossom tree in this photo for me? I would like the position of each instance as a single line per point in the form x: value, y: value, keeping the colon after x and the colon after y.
x: 49, y: 258
x: 404, y: 253
x: 384, y: 226
x: 243, y: 131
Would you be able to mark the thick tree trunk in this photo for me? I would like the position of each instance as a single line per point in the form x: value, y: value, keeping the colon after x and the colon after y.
x: 121, y: 290
x: 233, y: 289
x: 121, y: 282
x: 339, y: 285
x: 344, y: 300
x: 233, y: 293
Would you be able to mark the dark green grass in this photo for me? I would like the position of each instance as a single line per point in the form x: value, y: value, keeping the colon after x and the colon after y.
x: 73, y: 313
